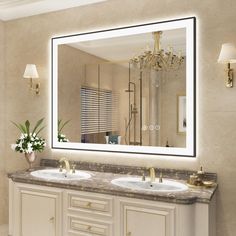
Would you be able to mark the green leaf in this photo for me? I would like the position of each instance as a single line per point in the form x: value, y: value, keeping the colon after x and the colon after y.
x: 20, y: 127
x: 59, y: 123
x: 23, y: 128
x: 40, y: 130
x: 39, y: 122
x: 62, y: 126
x: 27, y: 126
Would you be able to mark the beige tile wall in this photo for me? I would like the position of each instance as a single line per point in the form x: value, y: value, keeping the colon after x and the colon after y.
x: 173, y: 85
x: 2, y: 80
x: 3, y: 182
x: 71, y: 75
x: 28, y: 41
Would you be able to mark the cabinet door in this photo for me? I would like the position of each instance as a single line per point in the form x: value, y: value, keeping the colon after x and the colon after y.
x: 37, y: 211
x: 37, y: 215
x: 139, y: 219
x: 140, y: 223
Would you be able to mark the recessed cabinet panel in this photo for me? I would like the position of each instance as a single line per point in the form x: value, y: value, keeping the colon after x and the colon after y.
x: 85, y: 226
x: 140, y: 223
x: 38, y: 215
x: 139, y: 218
x: 96, y: 204
x: 35, y: 210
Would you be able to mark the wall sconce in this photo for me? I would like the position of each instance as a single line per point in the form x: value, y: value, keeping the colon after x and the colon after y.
x: 227, y: 56
x: 32, y: 73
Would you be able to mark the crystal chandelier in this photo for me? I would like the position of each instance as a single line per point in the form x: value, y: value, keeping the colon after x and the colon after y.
x: 158, y: 59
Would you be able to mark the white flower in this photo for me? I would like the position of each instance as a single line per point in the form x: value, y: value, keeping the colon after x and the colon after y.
x: 29, y: 145
x: 13, y: 146
x: 29, y: 150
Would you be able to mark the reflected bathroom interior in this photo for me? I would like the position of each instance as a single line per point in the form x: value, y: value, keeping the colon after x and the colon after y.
x: 124, y: 90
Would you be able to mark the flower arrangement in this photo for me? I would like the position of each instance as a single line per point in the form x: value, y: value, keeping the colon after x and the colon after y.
x: 62, y: 137
x: 29, y: 142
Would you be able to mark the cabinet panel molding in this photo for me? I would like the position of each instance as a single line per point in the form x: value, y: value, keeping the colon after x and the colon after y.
x: 159, y: 219
x: 90, y: 203
x: 45, y: 202
x: 82, y: 225
x: 77, y: 213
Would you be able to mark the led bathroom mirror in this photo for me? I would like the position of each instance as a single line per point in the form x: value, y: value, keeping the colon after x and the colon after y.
x: 128, y: 89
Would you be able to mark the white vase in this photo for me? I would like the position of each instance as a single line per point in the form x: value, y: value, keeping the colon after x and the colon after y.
x: 30, y: 158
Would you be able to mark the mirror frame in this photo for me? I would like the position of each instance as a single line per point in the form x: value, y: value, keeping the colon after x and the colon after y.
x: 190, y: 24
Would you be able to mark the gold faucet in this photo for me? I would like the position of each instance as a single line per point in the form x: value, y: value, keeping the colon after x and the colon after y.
x: 67, y: 164
x: 152, y: 174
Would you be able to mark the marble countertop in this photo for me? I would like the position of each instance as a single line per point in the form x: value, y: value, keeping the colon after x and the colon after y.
x: 100, y: 182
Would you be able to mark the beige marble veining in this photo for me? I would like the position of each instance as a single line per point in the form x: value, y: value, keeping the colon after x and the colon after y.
x: 100, y: 182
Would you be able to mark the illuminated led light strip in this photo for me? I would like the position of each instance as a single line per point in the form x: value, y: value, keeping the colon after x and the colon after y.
x: 189, y: 25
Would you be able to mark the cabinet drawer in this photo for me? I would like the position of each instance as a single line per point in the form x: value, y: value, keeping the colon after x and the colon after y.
x: 93, y: 204
x: 84, y: 226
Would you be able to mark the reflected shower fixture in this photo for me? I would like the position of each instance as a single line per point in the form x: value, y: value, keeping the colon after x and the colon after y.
x: 133, y: 111
x: 32, y: 73
x: 158, y: 59
x: 227, y: 56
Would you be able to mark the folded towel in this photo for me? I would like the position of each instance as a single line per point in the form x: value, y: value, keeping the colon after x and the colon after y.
x: 113, y: 139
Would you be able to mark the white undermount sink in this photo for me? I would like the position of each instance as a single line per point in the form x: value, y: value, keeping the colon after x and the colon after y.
x: 137, y: 184
x: 55, y: 174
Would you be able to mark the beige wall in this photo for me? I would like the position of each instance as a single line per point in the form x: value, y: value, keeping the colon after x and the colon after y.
x: 73, y: 72
x: 28, y: 41
x: 173, y: 84
x: 3, y: 182
x: 78, y: 68
x: 120, y: 84
x: 70, y: 75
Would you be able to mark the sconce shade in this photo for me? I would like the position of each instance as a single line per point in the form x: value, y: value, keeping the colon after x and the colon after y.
x: 227, y: 53
x: 31, y: 72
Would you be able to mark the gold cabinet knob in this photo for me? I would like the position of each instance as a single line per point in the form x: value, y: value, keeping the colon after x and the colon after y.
x: 129, y: 234
x: 89, y: 227
x: 52, y: 219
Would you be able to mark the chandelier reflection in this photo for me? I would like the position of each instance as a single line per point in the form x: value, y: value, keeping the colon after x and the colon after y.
x: 158, y: 59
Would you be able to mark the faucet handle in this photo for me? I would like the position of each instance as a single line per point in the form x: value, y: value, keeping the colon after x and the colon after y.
x: 60, y: 168
x: 73, y: 168
x: 161, y: 177
x: 143, y: 177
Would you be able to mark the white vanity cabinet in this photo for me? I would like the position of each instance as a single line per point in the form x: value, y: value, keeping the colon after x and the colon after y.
x: 47, y: 211
x: 35, y: 210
